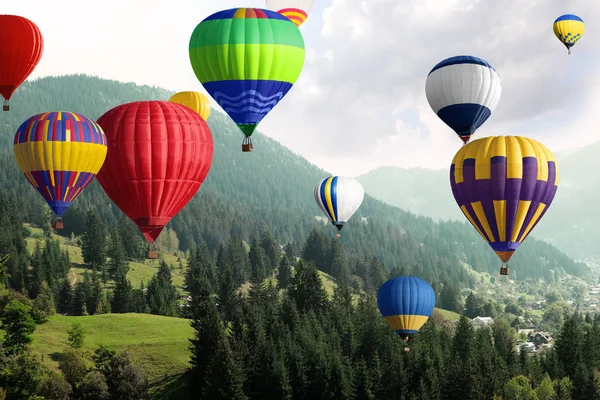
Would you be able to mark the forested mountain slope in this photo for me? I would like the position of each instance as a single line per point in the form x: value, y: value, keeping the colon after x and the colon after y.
x: 270, y: 187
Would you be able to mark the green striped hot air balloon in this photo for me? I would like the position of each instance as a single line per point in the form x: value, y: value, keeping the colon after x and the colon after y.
x: 247, y: 59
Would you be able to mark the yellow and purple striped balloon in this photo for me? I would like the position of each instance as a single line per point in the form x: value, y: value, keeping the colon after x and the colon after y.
x: 60, y: 153
x: 504, y: 186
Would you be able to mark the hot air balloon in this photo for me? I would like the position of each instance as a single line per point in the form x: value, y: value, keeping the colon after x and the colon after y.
x: 247, y: 59
x: 568, y: 29
x: 406, y: 302
x: 504, y: 185
x: 463, y: 91
x: 194, y: 100
x: 60, y: 153
x: 296, y: 11
x: 159, y: 154
x: 339, y: 198
x: 21, y: 47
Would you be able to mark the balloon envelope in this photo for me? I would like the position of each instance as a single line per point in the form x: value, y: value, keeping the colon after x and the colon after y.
x: 504, y: 186
x: 406, y: 302
x: 568, y: 29
x: 59, y: 153
x: 247, y: 59
x: 21, y: 47
x: 339, y: 198
x: 159, y: 153
x: 463, y: 91
x: 194, y: 100
x: 296, y: 11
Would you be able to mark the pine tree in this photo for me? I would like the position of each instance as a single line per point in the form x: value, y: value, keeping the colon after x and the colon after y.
x: 118, y: 264
x: 563, y: 389
x: 284, y: 273
x: 122, y: 296
x: 307, y: 289
x: 316, y: 249
x: 133, y: 242
x: 337, y: 264
x: 214, y: 373
x: 162, y: 295
x: 568, y: 347
x: 65, y: 297
x: 257, y: 262
x: 271, y: 250
x: 450, y: 298
x: 200, y: 265
x: 93, y: 241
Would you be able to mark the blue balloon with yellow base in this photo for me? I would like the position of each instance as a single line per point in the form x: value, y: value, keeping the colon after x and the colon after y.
x: 406, y: 302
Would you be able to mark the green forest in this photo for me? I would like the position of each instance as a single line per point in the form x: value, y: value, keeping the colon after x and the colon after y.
x: 261, y: 300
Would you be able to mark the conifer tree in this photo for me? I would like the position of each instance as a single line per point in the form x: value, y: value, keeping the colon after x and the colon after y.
x: 122, y: 296
x: 117, y: 265
x: 93, y: 241
x: 214, y: 373
x: 257, y: 262
x: 284, y: 272
x: 271, y: 250
x: 161, y: 294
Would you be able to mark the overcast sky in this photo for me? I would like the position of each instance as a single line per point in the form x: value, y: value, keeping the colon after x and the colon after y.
x: 360, y: 100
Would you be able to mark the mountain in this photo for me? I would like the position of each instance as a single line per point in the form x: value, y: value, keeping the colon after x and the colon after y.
x: 271, y: 187
x: 572, y: 223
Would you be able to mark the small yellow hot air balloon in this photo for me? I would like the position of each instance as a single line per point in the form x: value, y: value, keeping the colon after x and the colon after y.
x: 194, y: 100
x: 569, y: 29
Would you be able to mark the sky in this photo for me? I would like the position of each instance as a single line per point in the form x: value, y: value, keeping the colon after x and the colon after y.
x: 360, y: 100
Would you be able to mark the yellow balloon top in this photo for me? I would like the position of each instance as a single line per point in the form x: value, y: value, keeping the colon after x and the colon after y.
x: 194, y: 100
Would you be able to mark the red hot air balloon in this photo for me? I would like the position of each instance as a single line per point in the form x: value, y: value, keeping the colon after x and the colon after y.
x: 159, y: 153
x: 21, y: 47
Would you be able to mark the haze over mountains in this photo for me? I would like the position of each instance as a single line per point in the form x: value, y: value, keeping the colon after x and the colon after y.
x: 572, y: 223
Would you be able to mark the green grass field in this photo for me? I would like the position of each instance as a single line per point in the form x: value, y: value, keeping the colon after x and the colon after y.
x: 449, y: 315
x: 158, y: 344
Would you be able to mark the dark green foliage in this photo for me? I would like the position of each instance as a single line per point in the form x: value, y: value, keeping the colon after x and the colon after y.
x: 93, y: 240
x: 122, y: 296
x: 284, y: 272
x: 76, y: 335
x: 126, y: 380
x: 162, y: 295
x: 18, y: 326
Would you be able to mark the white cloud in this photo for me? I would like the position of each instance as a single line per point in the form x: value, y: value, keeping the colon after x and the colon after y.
x: 360, y: 100
x: 380, y: 52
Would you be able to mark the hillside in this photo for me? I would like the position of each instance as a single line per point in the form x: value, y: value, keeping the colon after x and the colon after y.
x: 572, y: 224
x: 156, y: 343
x: 271, y: 187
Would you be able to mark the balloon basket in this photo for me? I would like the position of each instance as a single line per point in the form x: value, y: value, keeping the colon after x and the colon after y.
x: 407, y: 349
x: 504, y: 271
x: 58, y: 224
x: 247, y: 145
x: 5, y: 106
x: 152, y: 254
x: 337, y: 235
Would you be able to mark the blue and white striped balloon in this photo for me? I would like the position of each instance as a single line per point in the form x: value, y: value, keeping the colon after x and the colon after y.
x: 463, y: 91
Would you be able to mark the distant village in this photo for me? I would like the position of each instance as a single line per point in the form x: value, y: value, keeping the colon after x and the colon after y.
x: 538, y: 340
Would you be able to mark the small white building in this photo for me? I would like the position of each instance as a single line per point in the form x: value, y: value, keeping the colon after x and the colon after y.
x: 478, y: 322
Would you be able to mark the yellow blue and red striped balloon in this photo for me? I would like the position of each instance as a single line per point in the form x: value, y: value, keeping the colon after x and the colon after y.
x: 60, y: 153
x: 568, y: 29
x: 504, y: 185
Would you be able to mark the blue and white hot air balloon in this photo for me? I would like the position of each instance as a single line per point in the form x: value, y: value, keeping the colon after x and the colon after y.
x: 463, y: 91
x: 339, y: 197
